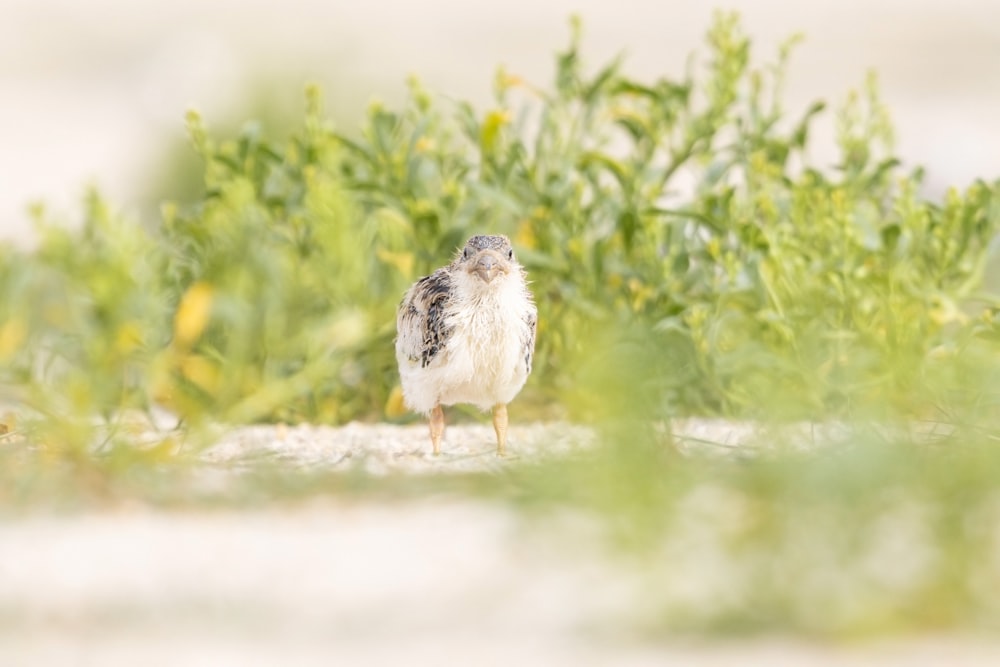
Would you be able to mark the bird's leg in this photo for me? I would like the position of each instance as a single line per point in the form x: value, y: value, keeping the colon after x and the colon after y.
x: 500, y: 426
x: 437, y: 428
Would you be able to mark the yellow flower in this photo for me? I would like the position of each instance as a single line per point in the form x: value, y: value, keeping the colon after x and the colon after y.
x: 128, y: 337
x: 201, y: 372
x: 509, y: 80
x: 193, y: 313
x: 12, y: 334
x: 492, y: 124
x: 394, y: 405
x: 401, y: 261
x: 423, y: 145
x: 525, y: 235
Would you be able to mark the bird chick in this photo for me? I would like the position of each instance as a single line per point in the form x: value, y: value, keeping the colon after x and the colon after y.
x: 466, y: 334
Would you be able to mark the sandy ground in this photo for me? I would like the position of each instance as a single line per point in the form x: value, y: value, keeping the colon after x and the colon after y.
x: 422, y: 582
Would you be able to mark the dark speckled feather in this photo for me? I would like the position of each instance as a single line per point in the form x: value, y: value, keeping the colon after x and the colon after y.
x: 423, y: 310
x: 529, y: 343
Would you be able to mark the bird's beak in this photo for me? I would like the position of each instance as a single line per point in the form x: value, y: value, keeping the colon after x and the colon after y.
x: 488, y: 265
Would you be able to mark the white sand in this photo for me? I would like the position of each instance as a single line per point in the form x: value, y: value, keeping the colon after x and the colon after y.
x: 432, y: 581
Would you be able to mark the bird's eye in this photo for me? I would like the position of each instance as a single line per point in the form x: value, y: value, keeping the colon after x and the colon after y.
x: 467, y: 253
x: 510, y: 254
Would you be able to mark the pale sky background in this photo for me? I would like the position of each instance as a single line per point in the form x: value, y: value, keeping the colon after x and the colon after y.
x: 93, y: 92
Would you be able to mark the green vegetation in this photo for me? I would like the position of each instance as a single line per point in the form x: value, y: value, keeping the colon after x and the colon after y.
x: 687, y: 258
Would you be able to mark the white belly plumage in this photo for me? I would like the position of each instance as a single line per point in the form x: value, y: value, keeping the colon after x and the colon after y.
x: 483, y: 363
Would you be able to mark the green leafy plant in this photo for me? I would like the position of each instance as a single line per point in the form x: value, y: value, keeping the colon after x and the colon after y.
x: 675, y: 224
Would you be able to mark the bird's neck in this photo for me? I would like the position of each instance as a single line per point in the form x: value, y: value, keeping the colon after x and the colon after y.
x: 497, y: 293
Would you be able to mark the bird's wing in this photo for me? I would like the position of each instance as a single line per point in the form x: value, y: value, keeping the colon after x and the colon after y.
x: 420, y: 321
x: 531, y: 319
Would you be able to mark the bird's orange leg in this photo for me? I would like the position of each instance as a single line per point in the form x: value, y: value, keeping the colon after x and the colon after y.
x: 437, y: 428
x: 500, y: 426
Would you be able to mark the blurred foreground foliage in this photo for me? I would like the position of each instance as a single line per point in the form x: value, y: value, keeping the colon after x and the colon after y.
x: 687, y: 257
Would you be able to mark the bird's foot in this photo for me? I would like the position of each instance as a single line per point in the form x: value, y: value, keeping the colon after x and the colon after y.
x: 500, y: 427
x: 437, y: 428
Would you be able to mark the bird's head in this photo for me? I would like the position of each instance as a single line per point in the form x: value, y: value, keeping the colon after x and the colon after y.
x: 487, y: 258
